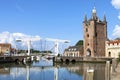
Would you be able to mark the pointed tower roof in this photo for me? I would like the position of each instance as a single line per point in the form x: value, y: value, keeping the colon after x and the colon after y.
x: 85, y: 18
x: 94, y: 11
x: 104, y: 19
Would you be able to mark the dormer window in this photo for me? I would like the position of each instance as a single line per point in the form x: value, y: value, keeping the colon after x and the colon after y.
x: 74, y: 49
x: 69, y: 49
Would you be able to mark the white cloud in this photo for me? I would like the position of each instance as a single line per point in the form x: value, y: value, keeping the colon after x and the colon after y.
x: 36, y: 43
x: 116, y: 31
x: 119, y: 16
x: 7, y: 37
x: 116, y: 3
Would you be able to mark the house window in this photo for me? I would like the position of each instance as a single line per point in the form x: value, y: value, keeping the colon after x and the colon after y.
x: 69, y: 49
x: 109, y: 54
x: 75, y: 49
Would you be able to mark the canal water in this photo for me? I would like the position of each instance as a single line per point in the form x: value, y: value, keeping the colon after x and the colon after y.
x: 46, y: 70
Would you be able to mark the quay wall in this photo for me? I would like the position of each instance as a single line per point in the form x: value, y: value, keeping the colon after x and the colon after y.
x: 81, y: 59
x: 6, y: 59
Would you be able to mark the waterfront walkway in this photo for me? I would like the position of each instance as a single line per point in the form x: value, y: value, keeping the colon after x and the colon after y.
x: 116, y: 75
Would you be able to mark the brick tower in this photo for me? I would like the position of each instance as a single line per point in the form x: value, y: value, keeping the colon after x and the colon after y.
x: 95, y: 35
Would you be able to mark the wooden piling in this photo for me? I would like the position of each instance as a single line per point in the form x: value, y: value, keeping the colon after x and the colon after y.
x: 107, y: 72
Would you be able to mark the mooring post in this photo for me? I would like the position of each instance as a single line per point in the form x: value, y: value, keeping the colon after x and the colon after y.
x: 107, y: 72
x: 24, y: 60
x: 114, y: 65
x: 32, y: 58
x: 37, y: 58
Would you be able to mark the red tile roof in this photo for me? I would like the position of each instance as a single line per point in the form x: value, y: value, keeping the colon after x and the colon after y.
x: 113, y: 42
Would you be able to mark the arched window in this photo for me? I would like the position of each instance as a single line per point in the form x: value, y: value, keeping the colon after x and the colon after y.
x: 88, y: 44
x: 88, y: 53
x: 109, y: 54
x: 87, y: 35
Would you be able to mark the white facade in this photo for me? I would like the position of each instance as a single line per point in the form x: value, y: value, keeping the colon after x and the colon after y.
x: 113, y: 48
x: 74, y: 51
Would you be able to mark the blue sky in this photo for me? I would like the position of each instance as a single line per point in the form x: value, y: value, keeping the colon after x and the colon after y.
x: 61, y: 19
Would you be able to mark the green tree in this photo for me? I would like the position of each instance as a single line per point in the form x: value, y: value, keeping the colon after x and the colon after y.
x: 80, y: 42
x: 117, y: 38
x: 119, y: 57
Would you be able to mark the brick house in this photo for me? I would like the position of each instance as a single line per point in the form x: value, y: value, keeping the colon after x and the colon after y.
x: 4, y: 48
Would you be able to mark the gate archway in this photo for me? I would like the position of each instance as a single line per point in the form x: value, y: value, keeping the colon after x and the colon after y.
x: 88, y: 53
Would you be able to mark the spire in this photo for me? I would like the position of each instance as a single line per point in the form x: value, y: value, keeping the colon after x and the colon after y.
x: 94, y: 10
x: 85, y: 18
x: 94, y: 13
x: 104, y: 18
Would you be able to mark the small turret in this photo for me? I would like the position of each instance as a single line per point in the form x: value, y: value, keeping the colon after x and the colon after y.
x: 85, y: 18
x: 94, y: 13
x: 104, y: 20
x: 94, y: 10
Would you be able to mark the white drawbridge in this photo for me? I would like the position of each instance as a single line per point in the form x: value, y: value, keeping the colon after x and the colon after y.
x: 28, y: 40
x: 57, y: 41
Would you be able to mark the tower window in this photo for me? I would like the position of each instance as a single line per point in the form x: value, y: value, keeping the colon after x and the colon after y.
x: 87, y: 35
x: 96, y: 34
x: 88, y: 44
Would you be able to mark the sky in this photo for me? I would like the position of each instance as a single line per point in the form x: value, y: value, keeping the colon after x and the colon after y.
x: 57, y: 19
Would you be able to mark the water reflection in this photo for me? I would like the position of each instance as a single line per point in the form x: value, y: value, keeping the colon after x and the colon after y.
x: 44, y: 70
x: 94, y: 71
x: 89, y: 71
